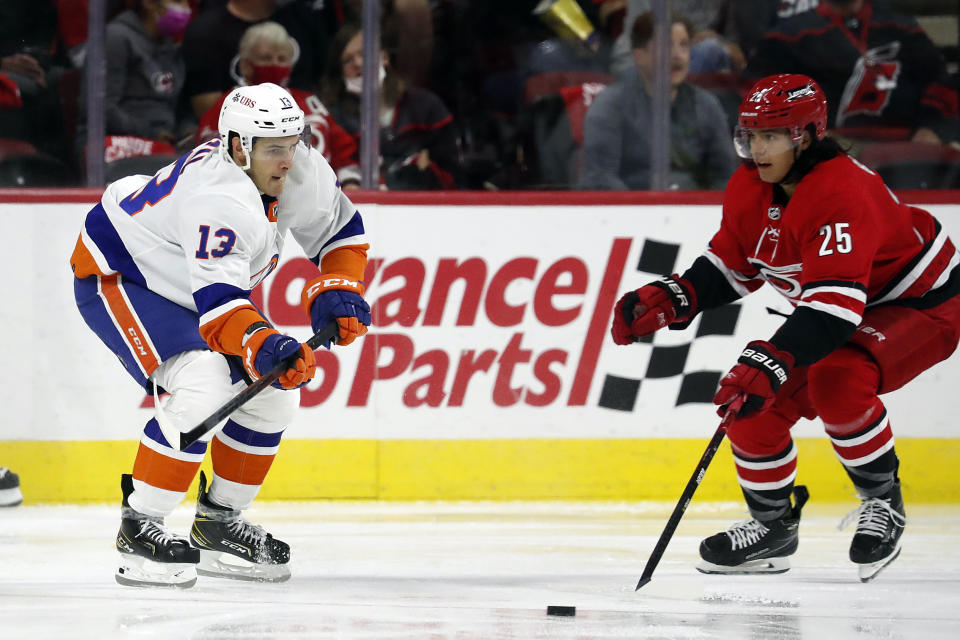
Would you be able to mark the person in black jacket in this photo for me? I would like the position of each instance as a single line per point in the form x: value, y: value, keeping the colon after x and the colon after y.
x: 878, y: 68
x: 418, y: 143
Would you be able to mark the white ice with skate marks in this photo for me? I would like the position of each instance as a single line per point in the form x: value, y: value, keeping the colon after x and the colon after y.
x: 371, y: 570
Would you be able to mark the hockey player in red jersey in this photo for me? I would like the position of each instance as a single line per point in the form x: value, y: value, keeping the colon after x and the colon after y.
x: 875, y: 286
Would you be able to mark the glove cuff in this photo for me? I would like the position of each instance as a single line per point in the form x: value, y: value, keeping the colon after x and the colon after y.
x: 682, y: 296
x: 252, y: 343
x: 328, y: 282
x: 766, y: 357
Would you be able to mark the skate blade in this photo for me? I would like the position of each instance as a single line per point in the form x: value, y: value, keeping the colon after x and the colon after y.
x: 870, y: 570
x: 224, y: 565
x: 136, y: 571
x: 751, y: 567
x: 10, y: 497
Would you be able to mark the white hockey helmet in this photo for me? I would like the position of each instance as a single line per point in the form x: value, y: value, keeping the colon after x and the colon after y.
x: 260, y: 111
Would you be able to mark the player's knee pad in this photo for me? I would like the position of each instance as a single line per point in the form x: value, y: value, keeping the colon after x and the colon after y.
x: 198, y: 382
x: 760, y: 435
x: 269, y: 411
x: 843, y: 386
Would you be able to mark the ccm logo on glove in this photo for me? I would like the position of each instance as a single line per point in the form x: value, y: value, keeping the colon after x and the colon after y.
x: 322, y: 284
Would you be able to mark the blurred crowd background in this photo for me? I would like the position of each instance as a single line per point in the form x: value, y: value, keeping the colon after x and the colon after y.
x: 480, y: 95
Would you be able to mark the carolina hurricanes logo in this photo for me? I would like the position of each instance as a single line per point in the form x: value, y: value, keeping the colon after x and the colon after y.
x: 871, y: 84
x: 785, y: 279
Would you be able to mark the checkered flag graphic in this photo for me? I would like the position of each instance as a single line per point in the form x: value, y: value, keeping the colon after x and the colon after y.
x: 666, y: 361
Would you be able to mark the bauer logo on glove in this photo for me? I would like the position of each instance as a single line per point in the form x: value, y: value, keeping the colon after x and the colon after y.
x: 767, y: 362
x: 760, y: 371
x: 652, y: 307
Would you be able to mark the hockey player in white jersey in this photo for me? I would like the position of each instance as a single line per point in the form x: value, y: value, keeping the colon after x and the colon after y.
x: 164, y: 267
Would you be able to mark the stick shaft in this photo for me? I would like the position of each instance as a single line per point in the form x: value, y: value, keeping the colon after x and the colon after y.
x: 329, y: 332
x: 685, y: 498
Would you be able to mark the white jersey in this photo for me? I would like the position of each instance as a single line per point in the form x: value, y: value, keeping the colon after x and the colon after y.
x: 200, y: 234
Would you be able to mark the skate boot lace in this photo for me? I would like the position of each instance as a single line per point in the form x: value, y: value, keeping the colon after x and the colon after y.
x: 248, y: 533
x: 153, y: 532
x: 743, y: 534
x: 874, y: 514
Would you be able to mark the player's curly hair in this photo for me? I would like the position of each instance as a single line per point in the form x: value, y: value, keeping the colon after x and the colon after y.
x: 819, y: 151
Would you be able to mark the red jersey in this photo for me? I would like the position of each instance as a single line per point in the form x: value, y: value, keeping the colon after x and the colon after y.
x: 337, y: 146
x: 843, y: 241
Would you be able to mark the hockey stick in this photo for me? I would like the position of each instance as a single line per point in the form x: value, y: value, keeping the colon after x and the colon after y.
x: 687, y: 495
x: 329, y: 332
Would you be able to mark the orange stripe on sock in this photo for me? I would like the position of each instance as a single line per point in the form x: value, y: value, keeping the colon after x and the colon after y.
x: 163, y: 472
x: 238, y: 466
x: 126, y: 320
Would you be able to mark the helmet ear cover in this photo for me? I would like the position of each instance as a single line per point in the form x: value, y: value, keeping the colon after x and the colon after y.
x: 258, y: 111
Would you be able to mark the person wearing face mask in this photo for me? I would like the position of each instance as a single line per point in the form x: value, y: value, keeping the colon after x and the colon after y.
x: 211, y: 42
x: 145, y: 74
x: 616, y: 143
x: 267, y: 53
x: 418, y: 145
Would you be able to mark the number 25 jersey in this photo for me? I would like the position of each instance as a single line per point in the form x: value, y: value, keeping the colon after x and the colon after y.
x: 842, y: 242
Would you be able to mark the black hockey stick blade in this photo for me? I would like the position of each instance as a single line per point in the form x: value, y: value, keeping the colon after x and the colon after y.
x: 687, y: 495
x: 329, y: 332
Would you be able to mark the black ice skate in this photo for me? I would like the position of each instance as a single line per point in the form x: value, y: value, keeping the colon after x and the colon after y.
x: 231, y: 547
x: 880, y: 523
x: 10, y: 495
x: 151, y: 556
x: 753, y: 546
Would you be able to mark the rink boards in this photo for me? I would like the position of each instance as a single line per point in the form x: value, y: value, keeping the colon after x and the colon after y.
x: 488, y: 373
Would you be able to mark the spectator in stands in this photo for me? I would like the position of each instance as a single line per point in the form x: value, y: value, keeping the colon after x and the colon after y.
x: 267, y: 54
x: 709, y: 51
x: 418, y: 143
x: 878, y: 68
x: 32, y: 58
x: 73, y: 17
x: 145, y: 73
x: 213, y: 38
x: 616, y: 151
x: 742, y: 23
x: 413, y: 54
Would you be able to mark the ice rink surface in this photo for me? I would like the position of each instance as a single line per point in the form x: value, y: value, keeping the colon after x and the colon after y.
x: 371, y: 570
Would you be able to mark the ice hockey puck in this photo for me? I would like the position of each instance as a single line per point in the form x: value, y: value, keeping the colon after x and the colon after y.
x: 556, y: 610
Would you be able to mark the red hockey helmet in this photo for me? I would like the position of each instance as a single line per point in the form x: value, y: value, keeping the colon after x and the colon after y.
x: 784, y: 101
